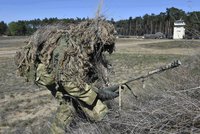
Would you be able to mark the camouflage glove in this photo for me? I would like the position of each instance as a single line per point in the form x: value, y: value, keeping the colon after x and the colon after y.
x: 108, y: 93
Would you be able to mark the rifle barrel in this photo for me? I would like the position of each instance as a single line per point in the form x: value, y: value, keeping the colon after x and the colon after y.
x: 172, y: 65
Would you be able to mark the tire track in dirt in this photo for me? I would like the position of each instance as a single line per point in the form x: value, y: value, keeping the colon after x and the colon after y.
x: 8, y: 53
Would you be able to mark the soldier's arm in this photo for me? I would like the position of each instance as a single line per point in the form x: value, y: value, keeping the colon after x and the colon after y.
x: 43, y: 77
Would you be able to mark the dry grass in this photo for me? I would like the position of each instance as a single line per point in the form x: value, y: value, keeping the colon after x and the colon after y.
x: 164, y: 47
x: 174, y: 44
x: 23, y: 105
x: 9, y: 45
x: 18, y: 41
x: 169, y: 103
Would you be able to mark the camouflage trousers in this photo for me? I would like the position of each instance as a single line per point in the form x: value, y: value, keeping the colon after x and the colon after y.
x: 86, y: 99
x: 62, y: 118
x: 66, y: 112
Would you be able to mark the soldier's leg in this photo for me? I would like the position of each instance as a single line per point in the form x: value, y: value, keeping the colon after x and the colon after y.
x: 62, y: 119
x: 93, y: 107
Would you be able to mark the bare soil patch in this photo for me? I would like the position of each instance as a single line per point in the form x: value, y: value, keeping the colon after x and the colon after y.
x: 143, y: 46
x: 174, y: 44
x: 9, y: 45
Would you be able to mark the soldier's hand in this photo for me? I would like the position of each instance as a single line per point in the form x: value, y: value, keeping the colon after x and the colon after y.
x: 105, y: 94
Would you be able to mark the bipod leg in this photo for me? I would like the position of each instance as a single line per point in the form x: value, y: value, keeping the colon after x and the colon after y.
x: 130, y: 90
x: 120, y: 97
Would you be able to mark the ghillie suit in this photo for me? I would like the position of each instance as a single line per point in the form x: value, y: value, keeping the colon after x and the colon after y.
x: 70, y: 62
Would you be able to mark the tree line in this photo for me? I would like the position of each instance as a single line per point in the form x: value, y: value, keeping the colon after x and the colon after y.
x: 22, y: 28
x: 163, y: 22
x: 138, y: 26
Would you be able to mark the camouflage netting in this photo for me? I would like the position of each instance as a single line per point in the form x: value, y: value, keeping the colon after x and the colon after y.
x: 77, y: 51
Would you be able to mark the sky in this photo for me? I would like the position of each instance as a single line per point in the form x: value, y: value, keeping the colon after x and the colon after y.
x: 13, y: 10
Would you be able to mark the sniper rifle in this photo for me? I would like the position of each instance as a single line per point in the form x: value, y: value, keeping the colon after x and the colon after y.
x: 112, y: 92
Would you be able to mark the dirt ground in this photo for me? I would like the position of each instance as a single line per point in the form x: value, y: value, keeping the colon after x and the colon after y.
x: 138, y: 46
x: 9, y: 46
x: 25, y: 107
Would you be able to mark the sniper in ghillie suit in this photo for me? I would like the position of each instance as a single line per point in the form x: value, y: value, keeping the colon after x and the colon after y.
x: 70, y: 61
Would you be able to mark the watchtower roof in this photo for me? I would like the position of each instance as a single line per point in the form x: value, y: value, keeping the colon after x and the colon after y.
x: 179, y: 23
